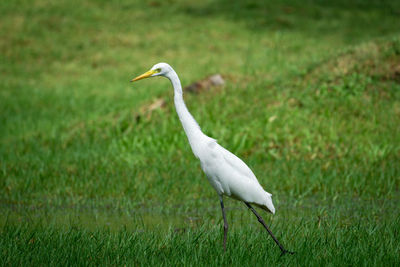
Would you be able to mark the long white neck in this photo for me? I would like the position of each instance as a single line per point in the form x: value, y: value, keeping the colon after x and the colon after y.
x: 192, y: 129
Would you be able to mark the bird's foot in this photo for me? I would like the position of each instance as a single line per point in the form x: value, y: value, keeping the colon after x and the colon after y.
x: 286, y: 251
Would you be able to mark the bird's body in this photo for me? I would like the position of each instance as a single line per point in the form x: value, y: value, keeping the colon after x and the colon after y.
x: 227, y: 173
x: 230, y: 176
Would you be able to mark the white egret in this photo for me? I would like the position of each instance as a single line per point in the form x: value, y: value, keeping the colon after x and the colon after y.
x: 228, y: 174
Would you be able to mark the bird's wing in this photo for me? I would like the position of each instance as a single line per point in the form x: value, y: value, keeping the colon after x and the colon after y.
x: 237, y: 164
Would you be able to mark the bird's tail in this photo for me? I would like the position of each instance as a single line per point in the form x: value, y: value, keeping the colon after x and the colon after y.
x: 268, y: 205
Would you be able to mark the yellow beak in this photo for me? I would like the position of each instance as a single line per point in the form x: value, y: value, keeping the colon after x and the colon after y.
x: 144, y: 75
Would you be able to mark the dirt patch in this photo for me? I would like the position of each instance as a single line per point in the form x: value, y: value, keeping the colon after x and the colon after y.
x: 378, y: 60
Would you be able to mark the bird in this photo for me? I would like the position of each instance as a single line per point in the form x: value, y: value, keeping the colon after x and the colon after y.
x: 227, y: 173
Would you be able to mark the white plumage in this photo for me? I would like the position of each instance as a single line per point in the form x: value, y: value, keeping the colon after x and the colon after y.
x: 227, y: 173
x: 231, y: 177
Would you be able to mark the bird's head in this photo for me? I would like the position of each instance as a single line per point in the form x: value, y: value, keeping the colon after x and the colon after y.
x: 159, y: 69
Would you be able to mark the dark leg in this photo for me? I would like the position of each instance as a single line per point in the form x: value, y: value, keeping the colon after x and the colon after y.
x: 225, y: 222
x: 284, y: 251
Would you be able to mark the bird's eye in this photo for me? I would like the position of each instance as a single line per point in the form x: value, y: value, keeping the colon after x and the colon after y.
x: 158, y: 70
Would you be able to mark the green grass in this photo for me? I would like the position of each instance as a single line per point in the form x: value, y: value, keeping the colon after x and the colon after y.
x: 321, y: 234
x: 311, y: 103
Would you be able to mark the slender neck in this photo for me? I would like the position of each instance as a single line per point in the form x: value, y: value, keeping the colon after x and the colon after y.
x: 190, y: 126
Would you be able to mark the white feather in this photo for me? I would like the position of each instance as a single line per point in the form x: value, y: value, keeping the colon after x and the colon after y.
x: 227, y: 173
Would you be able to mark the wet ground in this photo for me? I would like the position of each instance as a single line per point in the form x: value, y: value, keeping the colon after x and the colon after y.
x: 181, y: 216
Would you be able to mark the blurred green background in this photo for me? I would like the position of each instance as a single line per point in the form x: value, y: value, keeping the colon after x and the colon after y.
x: 311, y: 103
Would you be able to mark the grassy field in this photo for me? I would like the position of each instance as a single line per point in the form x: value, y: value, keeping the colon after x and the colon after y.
x: 311, y: 103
